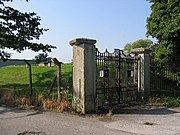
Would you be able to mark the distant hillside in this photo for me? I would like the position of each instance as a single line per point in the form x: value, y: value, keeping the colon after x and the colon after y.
x: 15, y: 62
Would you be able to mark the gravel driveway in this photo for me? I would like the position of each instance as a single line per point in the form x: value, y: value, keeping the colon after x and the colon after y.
x: 132, y: 121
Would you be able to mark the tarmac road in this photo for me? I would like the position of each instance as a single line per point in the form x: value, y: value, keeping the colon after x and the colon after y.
x: 130, y: 121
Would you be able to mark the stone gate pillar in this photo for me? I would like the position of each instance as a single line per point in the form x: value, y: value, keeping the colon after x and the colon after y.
x: 84, y: 75
x: 143, y: 72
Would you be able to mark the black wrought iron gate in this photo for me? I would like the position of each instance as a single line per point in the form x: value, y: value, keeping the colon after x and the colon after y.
x: 116, y: 76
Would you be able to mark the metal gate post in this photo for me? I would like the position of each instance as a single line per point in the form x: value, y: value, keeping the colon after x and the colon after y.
x: 84, y: 75
x: 143, y: 72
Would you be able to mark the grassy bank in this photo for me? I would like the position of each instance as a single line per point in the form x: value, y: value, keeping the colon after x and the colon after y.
x: 17, y: 78
x: 14, y: 87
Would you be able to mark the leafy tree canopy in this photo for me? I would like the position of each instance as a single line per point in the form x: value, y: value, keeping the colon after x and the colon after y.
x: 42, y: 57
x: 17, y: 30
x: 164, y: 25
x: 144, y: 43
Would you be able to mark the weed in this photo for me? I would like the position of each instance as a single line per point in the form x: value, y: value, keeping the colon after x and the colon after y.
x: 155, y: 101
x: 52, y: 104
x: 48, y: 104
x: 7, y: 98
x: 23, y: 101
x: 63, y: 106
x: 110, y: 113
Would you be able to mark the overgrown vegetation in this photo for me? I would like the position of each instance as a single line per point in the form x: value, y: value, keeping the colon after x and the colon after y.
x: 165, y: 101
x: 40, y: 101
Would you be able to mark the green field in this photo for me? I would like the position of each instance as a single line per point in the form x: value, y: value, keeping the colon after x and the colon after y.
x: 17, y: 78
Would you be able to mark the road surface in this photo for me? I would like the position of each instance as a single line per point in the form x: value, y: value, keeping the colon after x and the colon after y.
x: 134, y: 121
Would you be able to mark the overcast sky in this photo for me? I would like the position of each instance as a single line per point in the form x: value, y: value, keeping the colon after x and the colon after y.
x: 113, y: 23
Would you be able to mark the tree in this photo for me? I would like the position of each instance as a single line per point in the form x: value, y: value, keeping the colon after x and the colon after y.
x: 164, y: 25
x: 144, y: 43
x: 4, y: 55
x: 42, y: 57
x: 17, y: 30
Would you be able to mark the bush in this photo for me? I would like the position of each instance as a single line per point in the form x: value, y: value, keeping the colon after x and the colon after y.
x: 171, y: 101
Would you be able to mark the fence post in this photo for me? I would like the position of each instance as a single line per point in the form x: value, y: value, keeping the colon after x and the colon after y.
x: 84, y: 75
x: 30, y: 79
x: 58, y: 74
x: 143, y: 72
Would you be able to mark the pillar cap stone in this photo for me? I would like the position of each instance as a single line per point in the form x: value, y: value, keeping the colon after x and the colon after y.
x: 141, y: 50
x: 79, y: 41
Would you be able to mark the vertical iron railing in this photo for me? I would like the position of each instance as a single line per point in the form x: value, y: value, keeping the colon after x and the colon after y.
x: 165, y: 80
